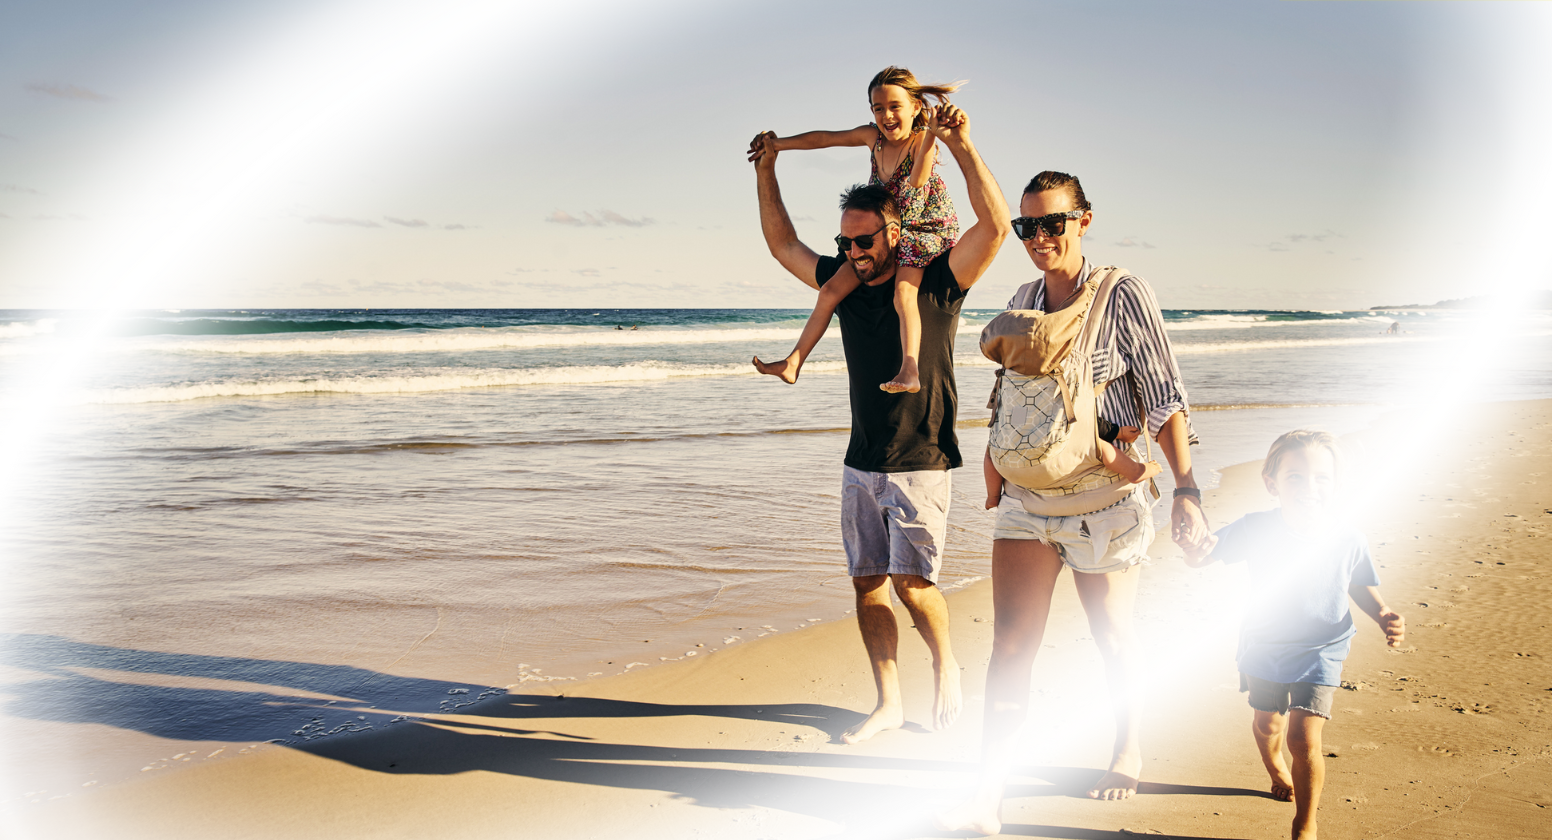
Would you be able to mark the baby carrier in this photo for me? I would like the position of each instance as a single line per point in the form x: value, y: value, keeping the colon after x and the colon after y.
x: 1044, y: 431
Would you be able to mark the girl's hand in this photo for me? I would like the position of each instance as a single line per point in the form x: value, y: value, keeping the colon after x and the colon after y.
x: 761, y: 142
x: 947, y: 120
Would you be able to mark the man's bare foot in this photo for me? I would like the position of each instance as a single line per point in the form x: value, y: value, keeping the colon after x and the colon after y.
x: 1120, y: 782
x: 948, y: 702
x: 979, y: 815
x: 879, y: 721
x: 786, y: 369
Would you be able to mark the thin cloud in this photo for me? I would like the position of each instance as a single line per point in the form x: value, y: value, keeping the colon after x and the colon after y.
x: 586, y: 272
x: 318, y: 287
x: 604, y: 217
x: 1292, y: 239
x: 1130, y: 242
x: 7, y: 137
x: 341, y: 220
x: 75, y: 92
x: 68, y: 217
x: 409, y: 223
x: 457, y: 226
x: 18, y: 189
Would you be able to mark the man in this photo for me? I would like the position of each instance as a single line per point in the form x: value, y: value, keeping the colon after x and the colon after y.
x: 895, y: 485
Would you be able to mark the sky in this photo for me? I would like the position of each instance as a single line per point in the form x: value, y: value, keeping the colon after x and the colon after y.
x: 476, y: 153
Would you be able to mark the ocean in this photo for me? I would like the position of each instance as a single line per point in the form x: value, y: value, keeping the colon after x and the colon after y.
x: 222, y: 527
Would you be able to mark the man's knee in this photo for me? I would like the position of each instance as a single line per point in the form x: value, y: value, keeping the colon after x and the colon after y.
x: 871, y: 587
x: 912, y: 588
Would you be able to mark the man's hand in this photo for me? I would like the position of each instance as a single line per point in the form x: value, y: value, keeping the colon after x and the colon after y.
x: 1394, y: 626
x: 763, y: 145
x: 1187, y: 523
x: 1199, y: 555
x: 948, y: 122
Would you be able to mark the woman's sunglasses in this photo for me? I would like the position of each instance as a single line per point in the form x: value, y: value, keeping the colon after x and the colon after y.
x: 1025, y: 227
x: 864, y: 241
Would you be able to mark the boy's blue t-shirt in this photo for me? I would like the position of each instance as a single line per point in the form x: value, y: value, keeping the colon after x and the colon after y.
x: 1298, y: 627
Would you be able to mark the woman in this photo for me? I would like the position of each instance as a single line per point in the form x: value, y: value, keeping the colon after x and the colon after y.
x: 1029, y: 551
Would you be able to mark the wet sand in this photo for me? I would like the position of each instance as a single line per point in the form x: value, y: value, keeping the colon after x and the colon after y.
x: 1448, y: 737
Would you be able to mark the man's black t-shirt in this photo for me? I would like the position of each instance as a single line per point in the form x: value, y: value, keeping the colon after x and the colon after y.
x: 900, y: 432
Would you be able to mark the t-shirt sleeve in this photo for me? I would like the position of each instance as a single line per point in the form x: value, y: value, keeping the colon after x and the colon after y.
x: 826, y: 268
x: 1363, y: 573
x: 1235, y: 541
x: 938, y: 280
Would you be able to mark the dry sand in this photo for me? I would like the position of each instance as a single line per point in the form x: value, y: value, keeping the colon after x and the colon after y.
x: 1448, y: 737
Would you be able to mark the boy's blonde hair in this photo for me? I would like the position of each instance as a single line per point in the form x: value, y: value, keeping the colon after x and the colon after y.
x: 1299, y: 439
x: 901, y: 77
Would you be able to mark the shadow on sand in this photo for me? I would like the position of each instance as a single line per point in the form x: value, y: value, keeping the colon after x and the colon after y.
x: 208, y: 698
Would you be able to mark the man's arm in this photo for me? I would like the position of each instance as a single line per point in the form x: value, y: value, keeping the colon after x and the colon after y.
x: 976, y: 249
x: 780, y: 236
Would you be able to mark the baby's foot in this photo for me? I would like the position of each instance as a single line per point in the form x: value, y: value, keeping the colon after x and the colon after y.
x: 787, y: 369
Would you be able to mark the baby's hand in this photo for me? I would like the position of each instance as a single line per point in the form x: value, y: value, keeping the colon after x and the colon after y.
x: 1394, y: 626
x: 1127, y: 434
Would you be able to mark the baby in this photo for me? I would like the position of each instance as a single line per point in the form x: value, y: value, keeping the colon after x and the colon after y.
x: 1304, y: 565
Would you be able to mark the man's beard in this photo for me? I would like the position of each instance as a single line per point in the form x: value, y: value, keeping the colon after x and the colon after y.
x: 878, y: 269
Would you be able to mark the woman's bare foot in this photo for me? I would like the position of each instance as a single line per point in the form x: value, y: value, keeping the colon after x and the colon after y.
x: 980, y: 815
x: 787, y: 369
x: 883, y: 718
x: 948, y: 702
x: 906, y: 381
x: 1120, y: 782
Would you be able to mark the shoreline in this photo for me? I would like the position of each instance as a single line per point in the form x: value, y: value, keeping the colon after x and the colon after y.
x: 737, y: 744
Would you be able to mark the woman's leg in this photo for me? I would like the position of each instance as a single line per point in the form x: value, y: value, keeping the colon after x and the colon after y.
x: 1024, y: 575
x: 907, y: 287
x: 830, y: 295
x: 1108, y: 599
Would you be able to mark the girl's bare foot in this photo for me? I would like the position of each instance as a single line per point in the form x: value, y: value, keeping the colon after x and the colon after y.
x: 787, y: 369
x: 906, y: 381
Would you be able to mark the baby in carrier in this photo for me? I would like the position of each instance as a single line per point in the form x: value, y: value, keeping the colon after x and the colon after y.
x: 1046, y: 432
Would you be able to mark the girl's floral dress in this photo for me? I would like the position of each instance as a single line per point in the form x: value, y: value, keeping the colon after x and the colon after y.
x: 928, y: 223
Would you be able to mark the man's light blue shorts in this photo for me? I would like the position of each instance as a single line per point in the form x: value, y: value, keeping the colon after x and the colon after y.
x: 1106, y: 540
x: 894, y: 523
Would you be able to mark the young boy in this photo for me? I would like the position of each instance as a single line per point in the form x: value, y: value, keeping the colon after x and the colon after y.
x: 1304, y: 564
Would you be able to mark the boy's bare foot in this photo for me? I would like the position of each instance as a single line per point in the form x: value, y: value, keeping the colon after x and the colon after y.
x: 1120, y: 782
x: 1304, y: 832
x: 882, y: 719
x: 978, y: 815
x: 948, y: 702
x: 787, y: 369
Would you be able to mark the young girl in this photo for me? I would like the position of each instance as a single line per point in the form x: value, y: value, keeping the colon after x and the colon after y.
x: 903, y: 159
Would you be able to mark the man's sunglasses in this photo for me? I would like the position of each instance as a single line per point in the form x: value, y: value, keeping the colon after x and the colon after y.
x: 865, y: 241
x: 1025, y: 227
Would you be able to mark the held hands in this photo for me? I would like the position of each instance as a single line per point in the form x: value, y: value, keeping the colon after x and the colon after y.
x: 762, y: 143
x: 1394, y: 626
x: 1187, y: 524
x: 948, y: 122
x: 1201, y: 554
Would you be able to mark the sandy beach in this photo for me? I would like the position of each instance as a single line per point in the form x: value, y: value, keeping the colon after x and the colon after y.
x: 1449, y: 736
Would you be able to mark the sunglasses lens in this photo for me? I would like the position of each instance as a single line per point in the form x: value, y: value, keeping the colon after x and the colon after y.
x: 1026, y: 228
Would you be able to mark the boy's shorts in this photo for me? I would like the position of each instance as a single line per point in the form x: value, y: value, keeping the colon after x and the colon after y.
x: 1108, y: 540
x: 1268, y: 696
x: 894, y: 523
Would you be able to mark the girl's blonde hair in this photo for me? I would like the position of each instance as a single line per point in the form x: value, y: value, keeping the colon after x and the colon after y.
x: 903, y: 78
x: 1299, y: 439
